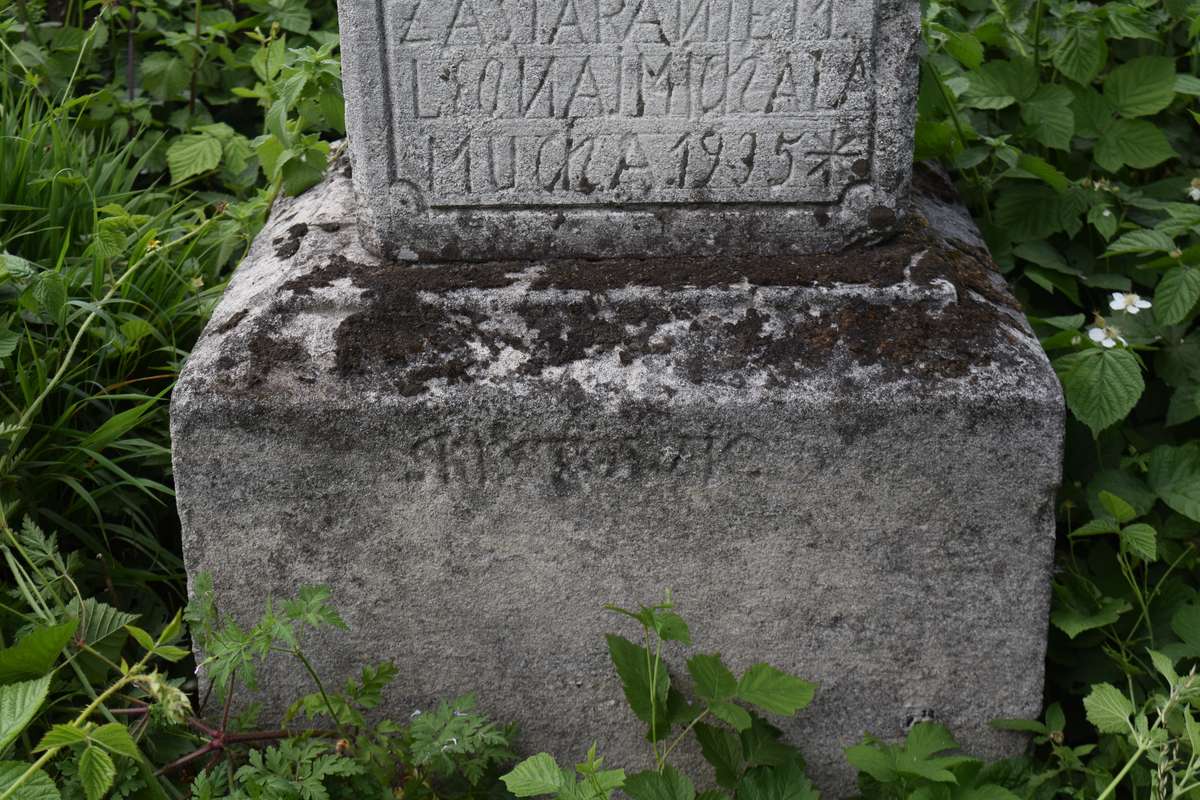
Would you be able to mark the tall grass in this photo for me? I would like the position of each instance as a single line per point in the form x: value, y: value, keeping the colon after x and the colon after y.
x: 106, y: 280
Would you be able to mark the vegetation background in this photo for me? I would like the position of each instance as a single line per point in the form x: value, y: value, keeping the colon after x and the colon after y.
x: 141, y: 144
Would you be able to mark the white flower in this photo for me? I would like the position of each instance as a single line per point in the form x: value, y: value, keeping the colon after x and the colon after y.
x: 1107, y: 213
x: 1194, y: 190
x: 1123, y: 301
x: 1107, y: 337
x: 415, y: 714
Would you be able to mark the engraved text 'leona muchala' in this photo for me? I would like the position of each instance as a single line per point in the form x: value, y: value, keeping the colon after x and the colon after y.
x: 575, y: 102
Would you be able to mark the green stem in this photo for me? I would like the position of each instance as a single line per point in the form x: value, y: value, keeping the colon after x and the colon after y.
x: 681, y: 737
x: 1112, y: 787
x: 312, y: 673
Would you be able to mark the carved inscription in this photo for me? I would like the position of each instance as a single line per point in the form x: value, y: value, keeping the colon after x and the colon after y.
x: 573, y: 102
x: 472, y: 459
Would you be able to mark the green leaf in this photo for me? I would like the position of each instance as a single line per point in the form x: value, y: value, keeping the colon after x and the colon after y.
x: 1049, y: 116
x: 723, y: 751
x: 19, y: 704
x: 1121, y: 511
x: 1141, y: 87
x: 1175, y: 476
x: 927, y: 739
x: 635, y: 672
x: 873, y: 762
x: 61, y: 736
x: 38, y: 787
x: 141, y: 637
x: 999, y: 84
x: 165, y: 75
x: 1141, y: 540
x: 35, y: 654
x: 1165, y: 666
x: 96, y: 772
x: 1073, y: 621
x: 115, y: 738
x: 1081, y: 53
x: 733, y: 714
x: 193, y: 154
x: 776, y: 783
x: 713, y: 680
x: 534, y: 776
x: 670, y: 784
x: 1141, y: 241
x: 1020, y: 725
x: 1108, y: 709
x: 98, y: 620
x: 671, y: 627
x: 1132, y: 143
x: 772, y: 690
x: 1176, y: 295
x: 1102, y: 385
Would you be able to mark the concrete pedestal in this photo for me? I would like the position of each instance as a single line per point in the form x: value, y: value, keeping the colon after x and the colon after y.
x: 844, y: 465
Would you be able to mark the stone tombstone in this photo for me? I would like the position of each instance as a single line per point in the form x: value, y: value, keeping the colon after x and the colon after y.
x: 602, y: 128
x: 616, y: 296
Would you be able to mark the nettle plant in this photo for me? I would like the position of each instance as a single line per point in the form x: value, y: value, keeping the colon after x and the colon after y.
x: 86, y: 711
x: 749, y: 756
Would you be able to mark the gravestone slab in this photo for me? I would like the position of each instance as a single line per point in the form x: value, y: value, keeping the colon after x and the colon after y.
x: 608, y: 128
x: 842, y: 464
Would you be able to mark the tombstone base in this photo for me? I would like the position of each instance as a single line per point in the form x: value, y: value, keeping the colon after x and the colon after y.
x: 844, y: 465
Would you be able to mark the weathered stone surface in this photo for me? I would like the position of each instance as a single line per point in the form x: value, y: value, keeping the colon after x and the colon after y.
x: 844, y: 465
x: 603, y: 128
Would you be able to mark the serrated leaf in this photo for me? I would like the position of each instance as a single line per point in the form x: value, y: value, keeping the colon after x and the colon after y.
x: 115, y: 738
x: 1102, y: 385
x: 1108, y: 709
x: 1141, y: 241
x: 636, y: 679
x: 38, y: 787
x: 927, y: 739
x: 713, y: 680
x: 1074, y: 621
x: 1141, y: 87
x: 723, y: 751
x: 1081, y: 53
x: 50, y: 293
x: 1165, y: 666
x: 193, y: 154
x: 872, y: 761
x: 1121, y: 511
x: 19, y: 704
x: 535, y: 776
x: 61, y: 736
x: 98, y: 620
x: 1141, y: 540
x: 671, y: 627
x: 776, y: 783
x: 96, y: 772
x: 773, y: 690
x: 1176, y: 295
x: 669, y: 784
x: 732, y: 714
x: 1175, y: 476
x: 34, y: 655
x: 1049, y: 116
x: 1132, y: 143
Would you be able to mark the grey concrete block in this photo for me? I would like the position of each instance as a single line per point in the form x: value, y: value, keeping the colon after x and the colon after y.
x: 605, y: 128
x: 844, y: 465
